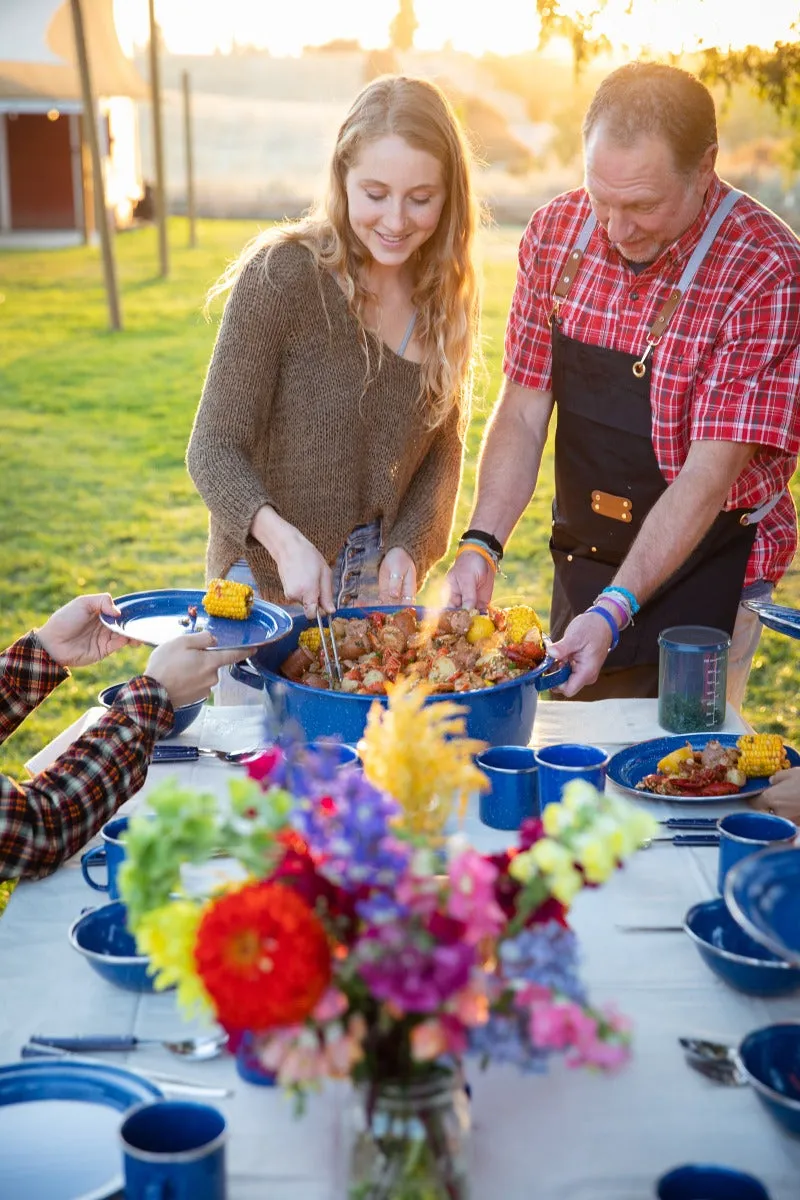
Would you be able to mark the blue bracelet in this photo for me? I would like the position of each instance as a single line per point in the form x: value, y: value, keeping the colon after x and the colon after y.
x: 607, y: 617
x: 629, y: 596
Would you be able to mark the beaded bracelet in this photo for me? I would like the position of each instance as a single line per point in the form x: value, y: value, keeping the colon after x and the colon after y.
x: 475, y: 548
x: 475, y: 543
x: 629, y: 596
x: 612, y: 624
x: 622, y: 609
x: 487, y: 539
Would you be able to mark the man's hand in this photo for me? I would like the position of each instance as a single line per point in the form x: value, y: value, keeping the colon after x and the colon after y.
x: 471, y: 581
x: 185, y: 668
x: 397, y: 577
x: 76, y: 637
x: 585, y: 645
x: 782, y: 797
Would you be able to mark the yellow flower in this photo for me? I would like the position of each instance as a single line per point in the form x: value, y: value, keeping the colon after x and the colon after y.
x: 555, y: 819
x: 417, y: 753
x: 598, y: 859
x: 167, y: 936
x: 565, y: 885
x: 550, y: 856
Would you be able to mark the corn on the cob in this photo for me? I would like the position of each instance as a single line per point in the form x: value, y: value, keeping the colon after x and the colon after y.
x: 761, y: 754
x: 520, y: 618
x: 310, y: 639
x: 226, y: 598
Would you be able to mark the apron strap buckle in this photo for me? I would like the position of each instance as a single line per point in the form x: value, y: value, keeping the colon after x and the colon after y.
x: 639, y: 367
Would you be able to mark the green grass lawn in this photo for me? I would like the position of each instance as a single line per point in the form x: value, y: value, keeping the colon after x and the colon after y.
x: 93, y: 491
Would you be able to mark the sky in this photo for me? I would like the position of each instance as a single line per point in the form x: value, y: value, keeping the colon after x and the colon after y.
x: 502, y: 27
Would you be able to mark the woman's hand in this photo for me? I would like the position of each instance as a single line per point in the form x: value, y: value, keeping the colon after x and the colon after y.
x: 76, y: 637
x: 306, y: 577
x: 397, y: 577
x: 782, y: 797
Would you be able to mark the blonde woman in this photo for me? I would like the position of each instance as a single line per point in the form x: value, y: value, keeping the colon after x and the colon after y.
x: 328, y: 441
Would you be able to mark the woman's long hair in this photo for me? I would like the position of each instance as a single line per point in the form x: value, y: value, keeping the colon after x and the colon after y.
x: 445, y: 293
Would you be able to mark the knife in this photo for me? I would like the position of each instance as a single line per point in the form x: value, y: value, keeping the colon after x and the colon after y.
x: 690, y: 822
x: 178, y: 753
x: 184, y: 1087
x: 690, y: 839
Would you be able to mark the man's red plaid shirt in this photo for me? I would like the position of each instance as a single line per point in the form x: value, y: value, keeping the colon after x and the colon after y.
x: 50, y: 817
x: 728, y: 366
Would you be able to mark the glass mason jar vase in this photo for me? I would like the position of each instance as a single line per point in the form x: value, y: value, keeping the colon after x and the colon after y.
x: 410, y: 1141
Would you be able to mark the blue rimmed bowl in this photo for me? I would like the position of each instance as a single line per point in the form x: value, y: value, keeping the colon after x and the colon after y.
x: 101, y: 935
x: 183, y: 717
x: 734, y: 956
x: 770, y: 1061
x: 502, y: 715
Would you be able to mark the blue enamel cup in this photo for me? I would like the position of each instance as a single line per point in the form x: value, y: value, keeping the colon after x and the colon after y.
x: 174, y: 1150
x: 511, y: 771
x: 743, y: 833
x: 111, y: 855
x: 559, y: 765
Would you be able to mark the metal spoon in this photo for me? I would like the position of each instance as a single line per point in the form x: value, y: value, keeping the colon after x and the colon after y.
x: 715, y: 1060
x: 195, y: 1049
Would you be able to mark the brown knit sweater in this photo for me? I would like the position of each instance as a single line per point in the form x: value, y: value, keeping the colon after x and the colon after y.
x: 285, y: 420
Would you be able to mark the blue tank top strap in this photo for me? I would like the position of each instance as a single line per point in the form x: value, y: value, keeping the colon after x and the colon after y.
x: 401, y: 349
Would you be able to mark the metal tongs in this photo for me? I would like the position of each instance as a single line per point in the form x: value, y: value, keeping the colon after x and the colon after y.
x: 332, y: 665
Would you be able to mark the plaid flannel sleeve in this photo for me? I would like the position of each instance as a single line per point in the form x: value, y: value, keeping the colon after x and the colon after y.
x: 27, y: 675
x: 47, y: 819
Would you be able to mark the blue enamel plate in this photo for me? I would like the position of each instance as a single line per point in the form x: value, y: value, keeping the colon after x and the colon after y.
x: 59, y: 1128
x: 627, y: 767
x: 158, y: 616
x: 777, y: 617
x: 762, y: 892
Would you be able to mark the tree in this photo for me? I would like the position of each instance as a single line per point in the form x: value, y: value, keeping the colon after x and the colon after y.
x: 774, y: 75
x: 403, y: 27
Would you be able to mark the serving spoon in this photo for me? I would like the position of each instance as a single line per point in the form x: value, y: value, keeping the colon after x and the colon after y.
x: 193, y: 1049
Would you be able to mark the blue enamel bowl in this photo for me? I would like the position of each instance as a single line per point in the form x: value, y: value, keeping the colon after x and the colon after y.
x: 101, y: 936
x: 701, y: 1181
x: 734, y: 956
x: 500, y: 716
x: 182, y: 719
x: 770, y: 1061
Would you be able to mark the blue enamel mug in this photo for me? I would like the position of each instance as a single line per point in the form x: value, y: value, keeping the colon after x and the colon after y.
x: 560, y: 764
x: 111, y: 855
x: 174, y: 1150
x: 743, y: 833
x: 511, y: 771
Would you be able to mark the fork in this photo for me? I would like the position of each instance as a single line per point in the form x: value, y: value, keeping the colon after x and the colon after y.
x: 332, y: 666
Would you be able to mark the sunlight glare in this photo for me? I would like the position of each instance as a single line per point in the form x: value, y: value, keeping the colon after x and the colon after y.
x: 203, y: 26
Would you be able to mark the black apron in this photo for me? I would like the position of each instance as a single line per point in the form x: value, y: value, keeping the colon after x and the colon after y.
x: 603, y: 444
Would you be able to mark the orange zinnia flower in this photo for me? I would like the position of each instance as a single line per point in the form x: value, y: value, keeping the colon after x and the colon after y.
x: 263, y: 957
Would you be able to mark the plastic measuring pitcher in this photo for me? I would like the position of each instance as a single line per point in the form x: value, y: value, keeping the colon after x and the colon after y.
x: 692, y: 678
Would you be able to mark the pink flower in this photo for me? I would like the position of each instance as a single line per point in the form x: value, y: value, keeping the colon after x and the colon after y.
x: 261, y: 767
x: 331, y: 1006
x: 428, y: 1040
x: 471, y: 1005
x: 471, y: 898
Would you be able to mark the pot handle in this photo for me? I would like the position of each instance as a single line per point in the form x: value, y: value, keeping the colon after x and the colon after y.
x: 553, y: 675
x: 244, y: 673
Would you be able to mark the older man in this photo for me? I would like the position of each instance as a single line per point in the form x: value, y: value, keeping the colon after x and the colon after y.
x: 658, y: 310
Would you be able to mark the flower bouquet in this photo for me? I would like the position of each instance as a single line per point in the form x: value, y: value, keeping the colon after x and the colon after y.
x: 363, y: 943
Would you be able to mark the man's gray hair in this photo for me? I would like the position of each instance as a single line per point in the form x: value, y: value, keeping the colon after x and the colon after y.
x: 656, y: 99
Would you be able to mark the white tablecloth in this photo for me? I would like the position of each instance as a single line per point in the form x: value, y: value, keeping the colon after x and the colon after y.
x: 565, y: 1136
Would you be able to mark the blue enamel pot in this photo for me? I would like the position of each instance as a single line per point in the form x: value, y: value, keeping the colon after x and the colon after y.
x: 502, y: 715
